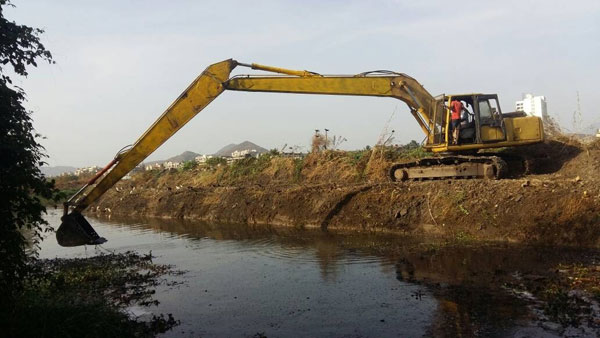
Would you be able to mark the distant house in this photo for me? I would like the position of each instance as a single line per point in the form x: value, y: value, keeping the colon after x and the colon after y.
x: 171, y: 165
x: 87, y: 170
x: 202, y: 158
x: 293, y: 155
x: 155, y: 166
x: 239, y: 154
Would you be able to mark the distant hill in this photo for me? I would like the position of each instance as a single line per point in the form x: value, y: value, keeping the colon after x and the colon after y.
x: 226, y: 150
x: 185, y: 156
x: 57, y: 170
x: 246, y: 145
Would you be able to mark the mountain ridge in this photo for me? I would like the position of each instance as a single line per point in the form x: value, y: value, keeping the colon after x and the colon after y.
x: 246, y: 145
x: 51, y: 171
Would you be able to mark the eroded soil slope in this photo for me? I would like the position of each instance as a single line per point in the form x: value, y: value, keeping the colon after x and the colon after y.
x: 557, y: 203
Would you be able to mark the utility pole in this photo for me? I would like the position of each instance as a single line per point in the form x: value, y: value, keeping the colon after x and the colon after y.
x: 326, y: 130
x: 577, y: 120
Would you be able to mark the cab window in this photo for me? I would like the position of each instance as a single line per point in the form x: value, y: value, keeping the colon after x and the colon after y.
x: 488, y: 109
x: 485, y: 111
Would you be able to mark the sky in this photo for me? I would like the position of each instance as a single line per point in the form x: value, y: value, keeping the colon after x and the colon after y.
x: 120, y: 64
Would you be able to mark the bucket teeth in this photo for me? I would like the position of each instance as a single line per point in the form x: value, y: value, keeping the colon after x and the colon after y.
x: 75, y: 230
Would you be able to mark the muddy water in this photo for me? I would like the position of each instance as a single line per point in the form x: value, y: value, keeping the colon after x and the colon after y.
x: 246, y: 280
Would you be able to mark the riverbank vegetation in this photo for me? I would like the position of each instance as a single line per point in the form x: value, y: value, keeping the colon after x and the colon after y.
x: 88, y: 297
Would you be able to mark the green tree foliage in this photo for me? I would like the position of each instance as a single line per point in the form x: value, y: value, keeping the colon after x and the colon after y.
x: 189, y: 165
x: 21, y: 182
x: 216, y: 161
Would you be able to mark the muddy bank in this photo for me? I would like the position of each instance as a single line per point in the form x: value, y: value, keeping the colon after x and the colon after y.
x: 559, y: 203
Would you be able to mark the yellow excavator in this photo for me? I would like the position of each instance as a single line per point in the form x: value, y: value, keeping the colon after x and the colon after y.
x: 484, y: 126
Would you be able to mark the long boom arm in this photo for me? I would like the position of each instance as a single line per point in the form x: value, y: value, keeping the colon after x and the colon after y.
x: 216, y: 78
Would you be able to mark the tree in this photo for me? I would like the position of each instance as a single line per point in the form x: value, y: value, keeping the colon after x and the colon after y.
x: 189, y: 165
x: 22, y: 184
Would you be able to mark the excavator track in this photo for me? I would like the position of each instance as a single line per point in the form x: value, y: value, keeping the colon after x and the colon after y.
x: 450, y: 167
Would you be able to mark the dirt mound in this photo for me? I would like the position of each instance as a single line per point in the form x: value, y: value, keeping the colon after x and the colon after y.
x: 561, y: 157
x: 571, y: 158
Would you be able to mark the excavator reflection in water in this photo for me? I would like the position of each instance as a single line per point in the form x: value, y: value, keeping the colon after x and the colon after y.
x: 489, y: 128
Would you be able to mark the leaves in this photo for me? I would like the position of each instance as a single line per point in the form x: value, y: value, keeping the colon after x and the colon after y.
x: 21, y: 181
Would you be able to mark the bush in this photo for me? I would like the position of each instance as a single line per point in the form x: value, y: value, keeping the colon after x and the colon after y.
x: 189, y: 165
x: 216, y: 161
x: 87, y: 298
x: 249, y: 166
x: 298, y: 165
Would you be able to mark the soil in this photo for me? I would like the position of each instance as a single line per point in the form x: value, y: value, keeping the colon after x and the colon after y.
x: 558, y: 202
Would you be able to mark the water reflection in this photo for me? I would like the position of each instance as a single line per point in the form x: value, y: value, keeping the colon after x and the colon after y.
x: 245, y: 279
x: 291, y: 244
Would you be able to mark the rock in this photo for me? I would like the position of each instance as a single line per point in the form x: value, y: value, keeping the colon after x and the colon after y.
x: 556, y: 327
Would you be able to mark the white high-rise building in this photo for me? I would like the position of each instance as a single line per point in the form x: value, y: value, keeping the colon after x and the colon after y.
x: 533, y: 105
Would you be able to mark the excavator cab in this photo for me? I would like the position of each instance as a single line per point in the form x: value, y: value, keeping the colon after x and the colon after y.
x: 481, y: 119
x: 488, y: 117
x: 483, y: 125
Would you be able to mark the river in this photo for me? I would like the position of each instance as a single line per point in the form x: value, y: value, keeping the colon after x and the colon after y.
x: 243, y: 281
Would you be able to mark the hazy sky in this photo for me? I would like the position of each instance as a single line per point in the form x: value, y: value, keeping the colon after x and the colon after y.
x: 119, y: 64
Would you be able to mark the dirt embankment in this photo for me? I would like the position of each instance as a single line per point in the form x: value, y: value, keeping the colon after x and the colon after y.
x: 559, y: 203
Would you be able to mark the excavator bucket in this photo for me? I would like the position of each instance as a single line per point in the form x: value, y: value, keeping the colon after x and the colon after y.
x: 75, y: 230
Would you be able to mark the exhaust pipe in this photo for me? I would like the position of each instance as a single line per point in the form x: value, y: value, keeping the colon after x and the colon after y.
x: 75, y: 230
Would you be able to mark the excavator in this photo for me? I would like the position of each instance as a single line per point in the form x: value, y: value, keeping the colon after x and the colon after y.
x: 485, y: 126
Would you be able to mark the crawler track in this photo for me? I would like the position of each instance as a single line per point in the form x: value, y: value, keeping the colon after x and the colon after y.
x: 450, y: 167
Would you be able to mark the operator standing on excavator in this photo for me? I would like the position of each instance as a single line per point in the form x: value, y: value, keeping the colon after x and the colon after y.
x: 456, y: 108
